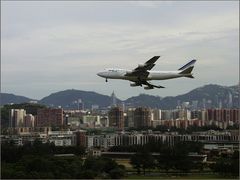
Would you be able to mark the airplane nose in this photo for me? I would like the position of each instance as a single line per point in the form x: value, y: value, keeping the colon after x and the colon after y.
x: 103, y: 74
x: 100, y: 74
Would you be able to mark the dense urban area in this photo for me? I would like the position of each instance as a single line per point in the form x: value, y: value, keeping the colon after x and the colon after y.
x: 119, y: 141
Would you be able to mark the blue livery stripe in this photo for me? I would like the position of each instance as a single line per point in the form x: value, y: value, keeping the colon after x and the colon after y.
x: 187, y: 65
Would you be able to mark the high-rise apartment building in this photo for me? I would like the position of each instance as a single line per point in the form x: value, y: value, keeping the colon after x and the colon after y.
x: 142, y: 117
x: 80, y: 138
x: 29, y: 120
x: 49, y: 117
x: 235, y: 115
x: 116, y: 119
x: 184, y: 114
x: 16, y: 118
x: 130, y: 117
x: 156, y: 114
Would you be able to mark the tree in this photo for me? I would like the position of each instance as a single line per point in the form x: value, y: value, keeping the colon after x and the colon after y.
x: 95, y: 164
x: 142, y: 160
x: 176, y: 157
x: 135, y: 161
x: 10, y: 153
x: 166, y: 159
x: 147, y: 161
x: 182, y: 160
x: 109, y: 165
x: 228, y: 166
x: 103, y: 167
x: 235, y: 163
x: 87, y: 174
x: 117, y: 173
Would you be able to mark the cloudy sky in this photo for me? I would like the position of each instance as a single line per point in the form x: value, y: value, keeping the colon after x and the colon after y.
x: 53, y: 46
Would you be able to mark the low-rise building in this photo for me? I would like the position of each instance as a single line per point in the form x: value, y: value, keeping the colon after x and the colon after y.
x: 61, y: 138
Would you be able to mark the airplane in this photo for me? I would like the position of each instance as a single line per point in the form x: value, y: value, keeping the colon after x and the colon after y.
x: 143, y: 73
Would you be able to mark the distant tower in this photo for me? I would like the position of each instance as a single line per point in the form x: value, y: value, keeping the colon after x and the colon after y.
x: 113, y: 100
x: 123, y: 106
x: 220, y: 105
x: 80, y: 104
x: 217, y: 101
x: 230, y: 100
x: 204, y: 103
x: 66, y: 119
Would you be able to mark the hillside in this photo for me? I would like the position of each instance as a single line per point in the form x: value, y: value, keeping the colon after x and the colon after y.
x: 144, y: 100
x: 11, y: 98
x: 69, y: 99
x: 209, y: 96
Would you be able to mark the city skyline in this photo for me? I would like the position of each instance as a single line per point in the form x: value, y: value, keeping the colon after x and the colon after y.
x: 53, y: 46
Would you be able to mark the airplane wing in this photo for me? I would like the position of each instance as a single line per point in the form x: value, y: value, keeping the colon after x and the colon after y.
x: 142, y: 70
x: 144, y: 82
x: 150, y: 86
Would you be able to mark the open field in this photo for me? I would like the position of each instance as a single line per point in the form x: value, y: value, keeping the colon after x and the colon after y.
x: 190, y: 176
x: 155, y: 174
x: 125, y: 162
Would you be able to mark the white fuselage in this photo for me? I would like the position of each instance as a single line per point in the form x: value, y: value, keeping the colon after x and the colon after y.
x: 153, y: 75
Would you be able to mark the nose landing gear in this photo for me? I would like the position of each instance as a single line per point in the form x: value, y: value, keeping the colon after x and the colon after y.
x: 106, y: 80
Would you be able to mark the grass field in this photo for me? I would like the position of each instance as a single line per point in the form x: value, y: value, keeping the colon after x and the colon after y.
x: 155, y: 174
x: 194, y: 176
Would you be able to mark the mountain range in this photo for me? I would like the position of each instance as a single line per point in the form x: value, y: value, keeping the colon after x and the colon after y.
x: 208, y: 96
x: 7, y: 98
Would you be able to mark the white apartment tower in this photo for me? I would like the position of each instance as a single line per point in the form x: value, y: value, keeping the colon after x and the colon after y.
x: 16, y: 118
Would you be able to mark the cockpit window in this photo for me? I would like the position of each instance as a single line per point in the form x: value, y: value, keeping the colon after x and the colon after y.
x: 112, y: 70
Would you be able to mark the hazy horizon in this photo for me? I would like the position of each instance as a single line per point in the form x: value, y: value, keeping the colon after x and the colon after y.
x: 110, y: 93
x: 53, y: 46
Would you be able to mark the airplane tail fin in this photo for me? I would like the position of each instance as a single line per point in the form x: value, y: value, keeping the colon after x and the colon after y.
x: 189, y: 76
x: 186, y: 70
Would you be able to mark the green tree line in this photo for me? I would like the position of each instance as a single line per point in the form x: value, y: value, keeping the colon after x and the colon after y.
x: 176, y: 158
x: 37, y: 161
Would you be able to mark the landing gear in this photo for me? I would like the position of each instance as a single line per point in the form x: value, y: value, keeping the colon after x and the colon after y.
x: 106, y: 80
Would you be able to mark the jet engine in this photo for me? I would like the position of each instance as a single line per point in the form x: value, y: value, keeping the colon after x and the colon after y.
x: 148, y: 87
x: 134, y: 84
